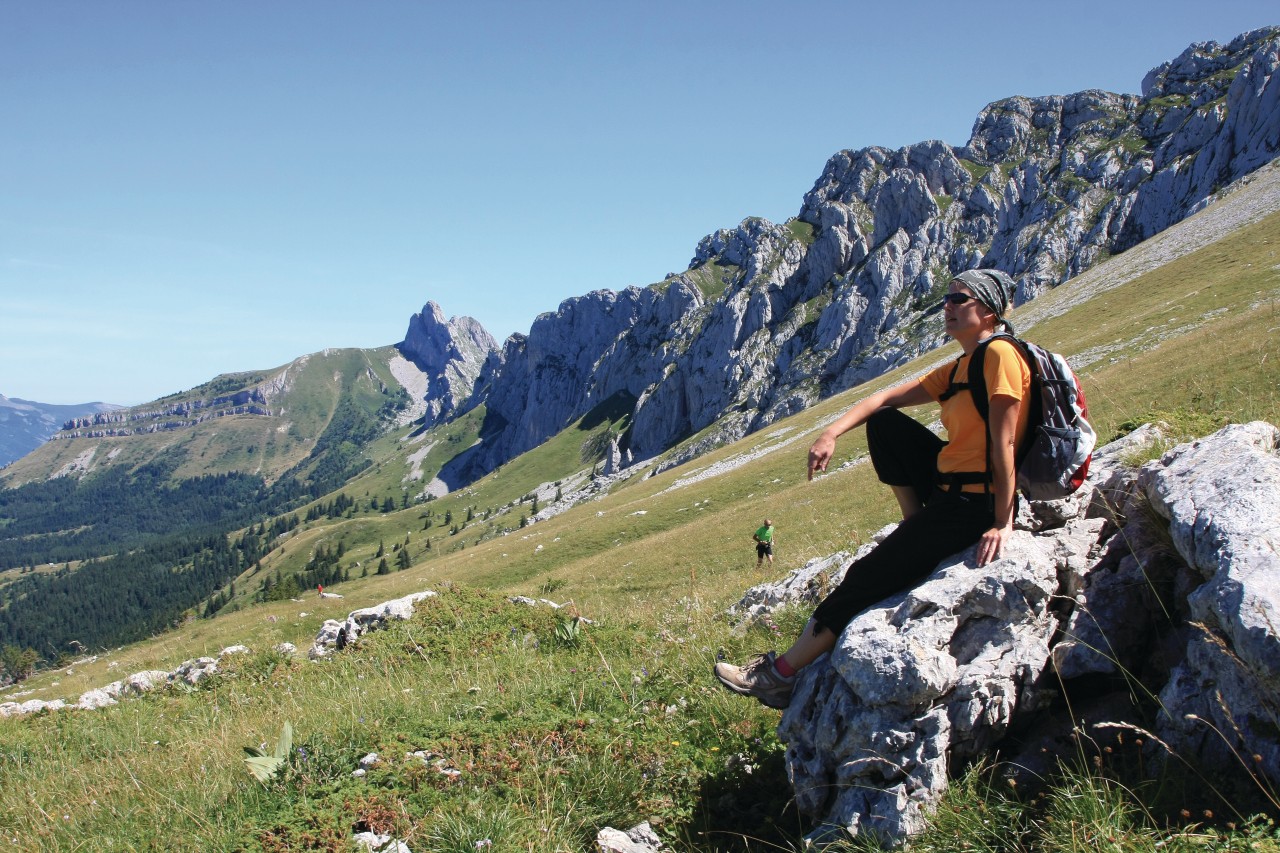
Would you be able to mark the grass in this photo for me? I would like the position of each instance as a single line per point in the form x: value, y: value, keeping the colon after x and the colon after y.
x: 550, y: 739
x: 555, y: 732
x: 714, y: 277
x: 802, y: 231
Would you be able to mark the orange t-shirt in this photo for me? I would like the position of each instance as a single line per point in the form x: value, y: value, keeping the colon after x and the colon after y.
x: 1006, y: 373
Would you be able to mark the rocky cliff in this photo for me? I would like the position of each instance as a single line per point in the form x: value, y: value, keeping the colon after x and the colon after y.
x: 770, y: 318
x: 450, y: 355
x: 1137, y: 617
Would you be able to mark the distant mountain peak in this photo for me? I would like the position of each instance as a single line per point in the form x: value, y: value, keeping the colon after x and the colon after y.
x: 452, y: 354
x: 26, y: 424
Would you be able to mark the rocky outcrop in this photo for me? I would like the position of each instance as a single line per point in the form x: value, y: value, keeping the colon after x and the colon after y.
x: 248, y: 400
x: 189, y: 672
x: 1093, y: 601
x: 185, y: 414
x: 769, y: 318
x: 335, y: 635
x: 639, y: 839
x: 451, y: 355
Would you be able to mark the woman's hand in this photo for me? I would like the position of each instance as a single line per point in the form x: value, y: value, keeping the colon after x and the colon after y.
x: 909, y: 393
x: 820, y: 454
x: 991, y: 545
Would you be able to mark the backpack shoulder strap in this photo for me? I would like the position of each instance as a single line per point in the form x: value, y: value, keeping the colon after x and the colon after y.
x: 953, y: 387
x: 977, y: 383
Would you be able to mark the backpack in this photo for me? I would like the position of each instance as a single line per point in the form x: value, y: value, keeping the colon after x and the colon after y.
x: 1053, y: 459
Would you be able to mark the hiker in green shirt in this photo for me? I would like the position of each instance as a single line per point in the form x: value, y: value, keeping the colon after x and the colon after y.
x: 764, y: 543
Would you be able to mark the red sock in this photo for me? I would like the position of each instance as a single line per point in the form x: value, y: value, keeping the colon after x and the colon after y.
x: 784, y: 669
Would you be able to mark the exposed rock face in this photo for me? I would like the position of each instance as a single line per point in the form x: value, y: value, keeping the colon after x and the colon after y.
x: 1092, y: 592
x: 769, y: 318
x: 451, y: 354
x: 1222, y: 500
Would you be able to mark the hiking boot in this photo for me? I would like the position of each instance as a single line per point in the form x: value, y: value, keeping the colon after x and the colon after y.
x: 759, y: 679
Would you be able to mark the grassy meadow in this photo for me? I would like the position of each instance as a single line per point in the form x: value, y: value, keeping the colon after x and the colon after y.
x: 508, y: 727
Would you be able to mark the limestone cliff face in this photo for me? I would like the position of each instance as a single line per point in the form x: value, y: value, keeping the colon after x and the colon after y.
x: 770, y: 318
x: 450, y: 354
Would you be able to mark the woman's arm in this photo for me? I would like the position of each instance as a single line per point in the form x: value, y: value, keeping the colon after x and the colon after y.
x: 910, y: 393
x: 1003, y: 423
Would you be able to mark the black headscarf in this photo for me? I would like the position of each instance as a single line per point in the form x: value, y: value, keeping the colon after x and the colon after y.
x: 993, y: 289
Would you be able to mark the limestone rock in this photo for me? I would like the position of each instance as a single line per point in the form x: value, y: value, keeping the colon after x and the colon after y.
x: 1222, y: 498
x: 638, y: 839
x: 806, y: 585
x: 933, y: 675
x: 144, y: 682
x: 373, y: 842
x: 94, y: 699
x: 334, y: 635
x: 194, y: 671
x: 451, y: 355
x: 31, y: 706
x: 1182, y: 600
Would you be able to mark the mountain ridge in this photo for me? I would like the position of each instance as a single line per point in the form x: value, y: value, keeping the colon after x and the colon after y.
x: 770, y: 318
x: 26, y: 424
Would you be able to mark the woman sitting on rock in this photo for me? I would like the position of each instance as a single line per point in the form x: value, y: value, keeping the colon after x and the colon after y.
x: 952, y: 494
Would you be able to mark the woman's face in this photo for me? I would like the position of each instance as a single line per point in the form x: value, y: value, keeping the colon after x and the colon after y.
x: 968, y: 317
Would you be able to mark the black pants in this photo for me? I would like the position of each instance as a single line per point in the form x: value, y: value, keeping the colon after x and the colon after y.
x: 905, y: 453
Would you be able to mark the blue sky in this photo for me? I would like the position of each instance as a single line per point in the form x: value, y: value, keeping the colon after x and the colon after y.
x: 195, y: 188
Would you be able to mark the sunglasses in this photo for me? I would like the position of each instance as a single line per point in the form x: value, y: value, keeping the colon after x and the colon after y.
x: 957, y: 298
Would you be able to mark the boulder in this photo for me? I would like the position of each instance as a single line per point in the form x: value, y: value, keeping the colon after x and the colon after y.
x: 931, y: 676
x: 143, y: 682
x: 196, y: 670
x: 638, y: 839
x: 1221, y: 497
x: 1162, y: 577
x: 334, y: 634
x: 93, y: 699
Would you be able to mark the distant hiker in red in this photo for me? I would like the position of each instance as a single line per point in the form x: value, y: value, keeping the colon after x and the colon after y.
x: 952, y: 493
x: 320, y: 589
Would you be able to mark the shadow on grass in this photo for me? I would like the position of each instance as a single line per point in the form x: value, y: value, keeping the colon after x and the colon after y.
x: 746, y: 807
